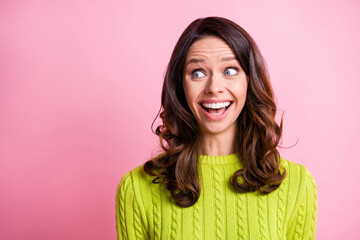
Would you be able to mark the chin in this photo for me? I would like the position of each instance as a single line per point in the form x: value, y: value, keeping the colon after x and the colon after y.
x: 214, y: 129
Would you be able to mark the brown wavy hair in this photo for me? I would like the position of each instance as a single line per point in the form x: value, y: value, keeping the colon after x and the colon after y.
x: 257, y: 135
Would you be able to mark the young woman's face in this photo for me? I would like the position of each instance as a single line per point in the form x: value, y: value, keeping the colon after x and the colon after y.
x: 214, y: 84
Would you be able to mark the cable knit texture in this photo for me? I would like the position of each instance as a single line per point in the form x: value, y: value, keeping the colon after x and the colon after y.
x: 146, y: 211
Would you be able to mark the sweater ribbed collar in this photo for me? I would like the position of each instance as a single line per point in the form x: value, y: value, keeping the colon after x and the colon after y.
x: 226, y: 159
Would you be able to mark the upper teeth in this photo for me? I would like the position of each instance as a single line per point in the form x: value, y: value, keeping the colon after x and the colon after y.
x: 216, y: 105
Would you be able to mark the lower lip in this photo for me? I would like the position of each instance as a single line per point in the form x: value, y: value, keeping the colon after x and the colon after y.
x: 215, y: 117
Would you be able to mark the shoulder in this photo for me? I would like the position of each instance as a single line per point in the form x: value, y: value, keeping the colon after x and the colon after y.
x: 133, y: 186
x: 301, y: 190
x: 136, y: 186
x: 299, y: 183
x: 129, y: 206
x: 134, y: 177
x: 298, y: 173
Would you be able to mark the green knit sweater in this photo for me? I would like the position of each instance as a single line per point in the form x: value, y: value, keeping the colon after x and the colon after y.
x: 145, y: 210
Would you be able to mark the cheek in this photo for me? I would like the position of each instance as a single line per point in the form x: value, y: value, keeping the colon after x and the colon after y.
x: 191, y: 93
x: 239, y: 89
x: 243, y: 91
x: 186, y: 90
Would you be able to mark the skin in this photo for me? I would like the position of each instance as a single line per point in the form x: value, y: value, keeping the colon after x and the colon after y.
x: 214, y: 77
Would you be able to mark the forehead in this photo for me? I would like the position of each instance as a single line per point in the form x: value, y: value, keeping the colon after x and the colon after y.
x: 209, y: 46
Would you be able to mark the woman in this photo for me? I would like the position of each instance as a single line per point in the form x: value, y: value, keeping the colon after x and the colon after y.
x: 220, y: 175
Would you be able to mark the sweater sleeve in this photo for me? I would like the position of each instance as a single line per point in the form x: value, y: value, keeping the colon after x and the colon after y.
x: 303, y: 223
x: 129, y: 224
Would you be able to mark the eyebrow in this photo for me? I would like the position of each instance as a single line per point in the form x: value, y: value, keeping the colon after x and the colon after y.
x: 195, y: 60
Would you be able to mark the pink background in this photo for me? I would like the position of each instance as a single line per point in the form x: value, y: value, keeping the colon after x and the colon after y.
x: 80, y: 84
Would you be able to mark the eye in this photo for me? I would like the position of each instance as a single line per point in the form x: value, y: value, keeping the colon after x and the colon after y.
x: 231, y: 71
x: 197, y: 74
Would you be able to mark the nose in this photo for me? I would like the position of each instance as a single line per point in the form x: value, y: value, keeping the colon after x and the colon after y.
x: 214, y: 85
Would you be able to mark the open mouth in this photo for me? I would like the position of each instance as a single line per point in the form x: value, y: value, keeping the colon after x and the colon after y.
x: 216, y: 108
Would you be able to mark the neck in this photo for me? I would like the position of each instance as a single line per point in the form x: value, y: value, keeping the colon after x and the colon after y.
x: 218, y: 144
